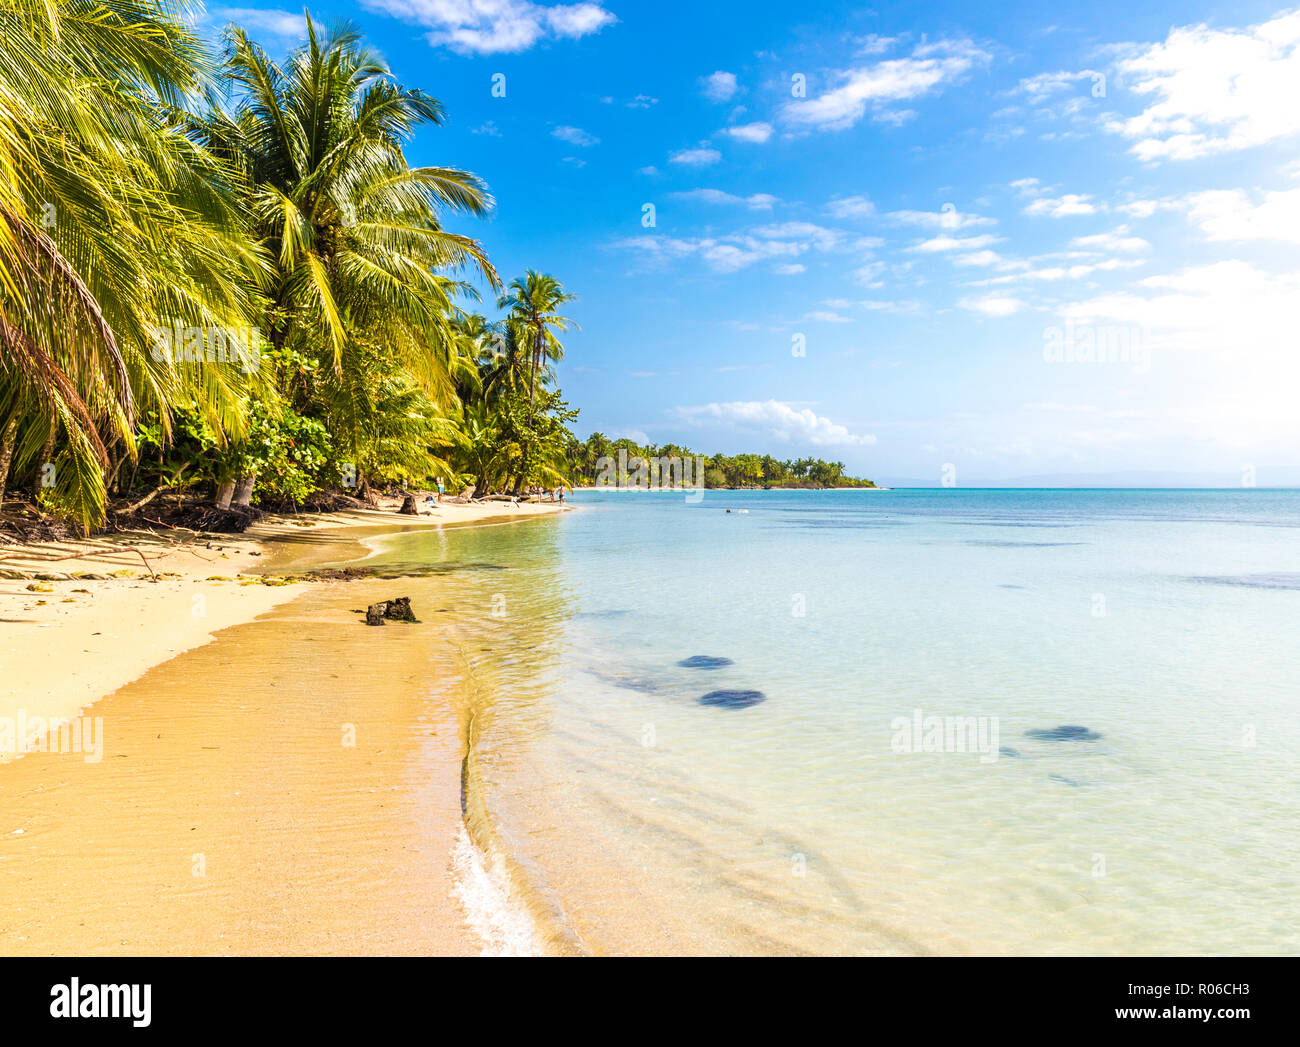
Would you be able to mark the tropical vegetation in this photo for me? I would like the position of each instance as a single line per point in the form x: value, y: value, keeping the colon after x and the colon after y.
x: 600, y: 461
x: 220, y: 277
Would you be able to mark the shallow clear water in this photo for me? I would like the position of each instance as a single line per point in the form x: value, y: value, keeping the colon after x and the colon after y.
x: 1162, y: 622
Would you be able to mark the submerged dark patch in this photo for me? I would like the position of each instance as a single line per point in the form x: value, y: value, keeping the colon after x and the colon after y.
x: 704, y: 661
x: 1010, y: 586
x: 644, y: 686
x: 601, y: 614
x: 733, y: 699
x: 1006, y: 750
x: 1006, y: 543
x: 1270, y: 580
x: 1064, y: 781
x: 1066, y: 733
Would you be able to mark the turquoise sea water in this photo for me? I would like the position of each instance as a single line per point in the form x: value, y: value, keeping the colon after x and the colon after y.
x: 1164, y: 623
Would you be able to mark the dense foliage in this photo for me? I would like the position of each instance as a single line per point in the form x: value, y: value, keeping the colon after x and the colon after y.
x: 220, y: 275
x: 600, y: 461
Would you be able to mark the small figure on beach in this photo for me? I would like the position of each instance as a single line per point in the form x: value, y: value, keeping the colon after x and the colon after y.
x: 441, y: 489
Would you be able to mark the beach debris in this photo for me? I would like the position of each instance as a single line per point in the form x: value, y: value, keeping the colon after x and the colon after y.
x: 733, y: 699
x: 339, y: 574
x: 704, y: 661
x: 408, y: 506
x: 396, y: 610
x: 40, y: 587
x: 1066, y: 733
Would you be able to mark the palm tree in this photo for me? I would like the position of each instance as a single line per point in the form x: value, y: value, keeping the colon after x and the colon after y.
x: 112, y: 226
x: 533, y: 301
x: 354, y: 232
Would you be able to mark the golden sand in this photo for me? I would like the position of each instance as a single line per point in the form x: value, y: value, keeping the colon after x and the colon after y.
x: 289, y: 785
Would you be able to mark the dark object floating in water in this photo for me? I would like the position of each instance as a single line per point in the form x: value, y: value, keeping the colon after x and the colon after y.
x: 1067, y: 733
x: 1270, y: 580
x: 733, y: 699
x: 1006, y: 750
x: 1010, y: 586
x: 397, y: 610
x: 704, y: 661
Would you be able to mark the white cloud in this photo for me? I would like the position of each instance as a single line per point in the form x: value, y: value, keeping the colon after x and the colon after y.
x: 720, y: 86
x: 758, y: 132
x: 575, y: 136
x: 1232, y: 215
x: 993, y: 305
x: 729, y: 254
x: 929, y: 67
x: 776, y: 419
x: 793, y: 269
x: 1215, y: 90
x: 979, y: 258
x: 1062, y: 206
x: 637, y: 436
x: 287, y: 26
x: 1045, y: 86
x: 946, y: 218
x: 806, y: 232
x: 496, y: 26
x: 701, y: 157
x: 1116, y: 241
x: 851, y: 207
x: 824, y: 316
x: 755, y: 202
x: 954, y: 243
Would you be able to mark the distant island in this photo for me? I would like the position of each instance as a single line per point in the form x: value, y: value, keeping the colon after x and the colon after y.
x: 599, y: 460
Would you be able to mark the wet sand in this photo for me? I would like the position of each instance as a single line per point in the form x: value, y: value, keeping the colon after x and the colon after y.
x: 292, y: 787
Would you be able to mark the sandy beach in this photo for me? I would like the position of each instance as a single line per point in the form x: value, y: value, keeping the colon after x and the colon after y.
x: 220, y: 800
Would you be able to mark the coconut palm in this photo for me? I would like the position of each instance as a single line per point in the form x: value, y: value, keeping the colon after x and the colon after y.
x: 533, y: 301
x: 112, y: 226
x: 354, y: 232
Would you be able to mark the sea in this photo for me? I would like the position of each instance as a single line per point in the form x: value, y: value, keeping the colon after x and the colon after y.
x: 895, y: 722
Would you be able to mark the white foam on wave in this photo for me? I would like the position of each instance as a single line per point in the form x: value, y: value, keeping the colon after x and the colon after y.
x: 501, y: 923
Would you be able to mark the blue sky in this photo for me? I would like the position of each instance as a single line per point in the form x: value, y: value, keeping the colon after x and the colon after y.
x: 904, y: 266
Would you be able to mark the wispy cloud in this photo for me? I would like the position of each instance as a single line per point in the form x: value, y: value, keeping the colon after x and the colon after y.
x: 575, y: 136
x: 720, y: 86
x: 757, y: 132
x: 876, y: 86
x: 774, y: 418
x: 701, y: 157
x: 755, y: 202
x: 496, y: 26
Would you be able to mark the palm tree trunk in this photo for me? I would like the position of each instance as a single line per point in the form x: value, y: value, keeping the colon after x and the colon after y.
x: 7, y: 438
x: 244, y: 489
x: 225, y: 492
x: 537, y: 359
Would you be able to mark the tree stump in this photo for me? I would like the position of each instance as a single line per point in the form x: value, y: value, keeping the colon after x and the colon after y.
x: 398, y: 610
x: 408, y: 506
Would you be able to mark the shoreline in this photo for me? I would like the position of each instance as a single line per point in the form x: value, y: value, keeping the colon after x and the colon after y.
x: 269, y: 780
x: 106, y: 632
